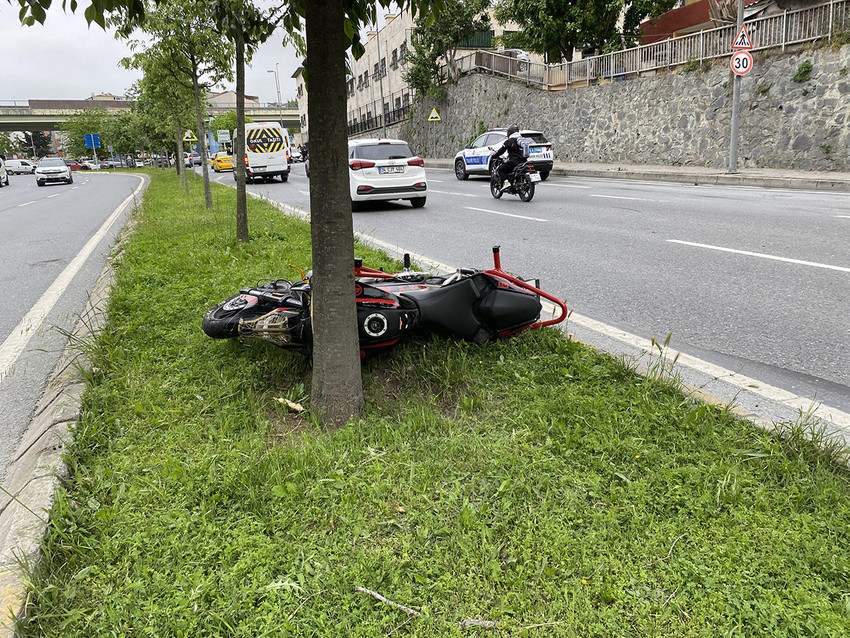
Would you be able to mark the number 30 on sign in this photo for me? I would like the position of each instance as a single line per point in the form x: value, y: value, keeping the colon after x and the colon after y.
x: 741, y: 62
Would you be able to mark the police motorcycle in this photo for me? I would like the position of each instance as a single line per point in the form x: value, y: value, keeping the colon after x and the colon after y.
x: 522, y: 181
x: 475, y: 305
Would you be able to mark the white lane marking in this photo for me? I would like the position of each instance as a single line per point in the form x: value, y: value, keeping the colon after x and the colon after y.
x: 307, y: 193
x: 746, y: 384
x: 568, y: 185
x: 637, y: 199
x: 438, y: 181
x: 495, y: 212
x: 73, y: 188
x: 54, y: 195
x: 843, y: 216
x: 762, y: 255
x: 452, y: 193
x: 26, y: 203
x: 15, y: 343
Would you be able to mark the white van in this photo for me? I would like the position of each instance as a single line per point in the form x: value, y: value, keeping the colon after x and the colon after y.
x: 267, y: 151
x: 20, y: 166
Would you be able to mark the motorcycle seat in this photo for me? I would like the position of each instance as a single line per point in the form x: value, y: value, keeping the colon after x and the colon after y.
x: 453, y: 308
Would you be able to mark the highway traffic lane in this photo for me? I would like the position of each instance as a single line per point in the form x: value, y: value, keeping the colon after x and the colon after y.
x: 22, y: 384
x: 607, y: 247
x: 610, y: 259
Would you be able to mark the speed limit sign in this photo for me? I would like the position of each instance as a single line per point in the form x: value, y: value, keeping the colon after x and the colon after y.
x: 741, y: 62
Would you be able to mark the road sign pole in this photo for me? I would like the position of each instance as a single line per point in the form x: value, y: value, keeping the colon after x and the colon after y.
x: 736, y: 105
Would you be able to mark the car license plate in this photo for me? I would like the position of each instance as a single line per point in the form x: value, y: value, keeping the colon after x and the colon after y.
x: 390, y: 169
x: 534, y: 177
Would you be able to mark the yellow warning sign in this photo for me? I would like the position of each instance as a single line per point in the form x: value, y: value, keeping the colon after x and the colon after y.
x: 434, y: 117
x: 742, y: 40
x: 189, y: 136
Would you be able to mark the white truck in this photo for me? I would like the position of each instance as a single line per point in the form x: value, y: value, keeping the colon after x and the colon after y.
x: 267, y: 151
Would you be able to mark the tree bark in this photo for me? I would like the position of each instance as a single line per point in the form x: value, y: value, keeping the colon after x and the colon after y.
x: 337, y: 391
x: 199, y: 122
x: 239, y: 144
x: 178, y: 164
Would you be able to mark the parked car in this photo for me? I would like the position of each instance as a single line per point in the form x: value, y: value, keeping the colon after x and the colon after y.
x: 92, y: 164
x: 385, y: 169
x: 522, y: 59
x: 4, y: 174
x: 74, y: 165
x: 196, y: 158
x: 222, y: 161
x: 20, y: 166
x: 476, y: 158
x: 295, y: 155
x: 53, y: 169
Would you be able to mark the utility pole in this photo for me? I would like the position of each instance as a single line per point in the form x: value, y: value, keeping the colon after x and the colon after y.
x: 736, y: 105
x: 381, y: 82
x: 277, y: 84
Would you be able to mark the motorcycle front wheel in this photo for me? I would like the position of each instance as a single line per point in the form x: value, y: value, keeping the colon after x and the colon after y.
x: 525, y: 189
x: 222, y: 321
x: 496, y: 186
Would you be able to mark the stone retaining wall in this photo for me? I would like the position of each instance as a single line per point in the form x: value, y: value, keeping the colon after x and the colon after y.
x: 679, y: 117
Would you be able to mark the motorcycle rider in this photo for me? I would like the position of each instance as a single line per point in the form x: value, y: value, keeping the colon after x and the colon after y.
x: 515, y: 156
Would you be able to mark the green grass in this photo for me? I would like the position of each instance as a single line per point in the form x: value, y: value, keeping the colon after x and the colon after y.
x: 529, y: 482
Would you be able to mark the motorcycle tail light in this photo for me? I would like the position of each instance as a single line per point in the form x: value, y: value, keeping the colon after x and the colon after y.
x: 416, y: 161
x: 357, y: 164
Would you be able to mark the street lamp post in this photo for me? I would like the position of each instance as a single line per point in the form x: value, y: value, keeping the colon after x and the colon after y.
x: 277, y: 84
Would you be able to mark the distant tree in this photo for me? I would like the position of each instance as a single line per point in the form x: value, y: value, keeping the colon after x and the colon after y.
x: 40, y: 141
x: 225, y: 122
x: 12, y: 144
x: 557, y: 27
x: 433, y: 43
x: 82, y: 123
x: 184, y: 32
x: 291, y: 103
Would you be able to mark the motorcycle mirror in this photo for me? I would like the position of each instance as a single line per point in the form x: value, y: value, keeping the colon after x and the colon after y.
x: 407, y: 261
x: 358, y: 262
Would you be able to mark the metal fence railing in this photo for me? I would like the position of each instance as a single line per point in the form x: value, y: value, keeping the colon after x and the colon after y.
x: 372, y: 116
x: 820, y: 22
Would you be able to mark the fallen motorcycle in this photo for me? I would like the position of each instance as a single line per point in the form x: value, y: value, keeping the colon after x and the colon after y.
x: 522, y: 180
x: 476, y: 305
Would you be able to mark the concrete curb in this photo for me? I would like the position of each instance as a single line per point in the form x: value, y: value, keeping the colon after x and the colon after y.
x: 37, y: 468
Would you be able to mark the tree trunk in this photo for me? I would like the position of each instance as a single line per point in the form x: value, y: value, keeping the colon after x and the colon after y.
x: 199, y: 122
x: 239, y: 144
x: 337, y: 391
x: 178, y: 164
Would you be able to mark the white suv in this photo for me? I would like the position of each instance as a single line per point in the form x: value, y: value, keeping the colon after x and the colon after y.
x: 385, y: 169
x: 476, y: 157
x: 4, y: 174
x: 53, y: 169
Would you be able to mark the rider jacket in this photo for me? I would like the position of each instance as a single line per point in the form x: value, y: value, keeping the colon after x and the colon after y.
x: 514, y: 150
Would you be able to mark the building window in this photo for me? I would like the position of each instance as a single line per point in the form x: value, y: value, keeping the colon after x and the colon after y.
x: 405, y: 99
x: 394, y: 62
x: 375, y: 70
x: 383, y: 67
x: 402, y: 51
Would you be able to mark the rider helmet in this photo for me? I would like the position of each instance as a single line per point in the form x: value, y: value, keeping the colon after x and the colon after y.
x: 513, y: 128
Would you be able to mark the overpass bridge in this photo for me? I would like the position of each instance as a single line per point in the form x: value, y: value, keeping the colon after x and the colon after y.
x: 48, y: 115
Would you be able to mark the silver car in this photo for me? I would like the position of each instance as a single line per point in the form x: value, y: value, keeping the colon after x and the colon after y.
x: 53, y: 169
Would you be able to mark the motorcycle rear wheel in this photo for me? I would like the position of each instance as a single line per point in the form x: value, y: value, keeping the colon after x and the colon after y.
x: 222, y: 321
x: 496, y: 186
x: 525, y: 189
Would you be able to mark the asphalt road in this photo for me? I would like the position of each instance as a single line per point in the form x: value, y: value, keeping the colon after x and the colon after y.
x: 755, y: 280
x: 43, y: 231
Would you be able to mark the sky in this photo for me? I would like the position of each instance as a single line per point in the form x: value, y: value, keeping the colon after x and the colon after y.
x: 64, y: 59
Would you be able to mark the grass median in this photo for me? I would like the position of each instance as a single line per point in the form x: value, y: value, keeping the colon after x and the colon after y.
x: 528, y: 487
